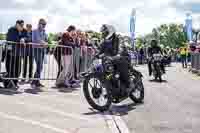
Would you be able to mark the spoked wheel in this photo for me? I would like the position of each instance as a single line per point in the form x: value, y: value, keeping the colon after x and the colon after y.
x: 98, y: 96
x: 137, y: 95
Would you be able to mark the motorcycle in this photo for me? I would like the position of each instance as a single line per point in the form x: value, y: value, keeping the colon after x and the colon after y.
x: 167, y: 60
x: 156, y: 67
x: 102, y: 86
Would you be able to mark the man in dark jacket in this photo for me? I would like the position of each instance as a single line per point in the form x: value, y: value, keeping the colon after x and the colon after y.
x: 15, y: 38
x: 28, y: 53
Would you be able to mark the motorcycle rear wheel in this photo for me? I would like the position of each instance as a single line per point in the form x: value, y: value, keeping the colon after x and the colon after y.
x: 140, y: 88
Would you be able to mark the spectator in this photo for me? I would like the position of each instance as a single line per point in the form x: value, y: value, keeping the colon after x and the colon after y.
x: 141, y: 55
x: 83, y: 53
x: 2, y: 52
x: 57, y: 54
x: 15, y: 38
x: 39, y: 37
x: 28, y: 54
x: 183, y: 53
x: 77, y: 51
x: 72, y: 33
x: 90, y: 51
x: 66, y: 61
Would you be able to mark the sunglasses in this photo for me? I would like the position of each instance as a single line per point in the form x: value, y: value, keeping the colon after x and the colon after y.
x: 43, y: 24
x: 21, y: 25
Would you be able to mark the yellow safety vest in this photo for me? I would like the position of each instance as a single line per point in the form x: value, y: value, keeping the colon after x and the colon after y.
x: 183, y: 52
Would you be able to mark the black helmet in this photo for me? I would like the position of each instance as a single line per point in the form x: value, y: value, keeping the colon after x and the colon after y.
x: 107, y: 31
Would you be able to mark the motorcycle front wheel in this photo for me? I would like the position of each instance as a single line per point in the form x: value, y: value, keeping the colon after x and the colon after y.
x: 97, y: 95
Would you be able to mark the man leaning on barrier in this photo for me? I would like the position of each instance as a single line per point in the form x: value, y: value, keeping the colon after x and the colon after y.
x: 28, y: 54
x: 15, y: 39
x: 39, y: 37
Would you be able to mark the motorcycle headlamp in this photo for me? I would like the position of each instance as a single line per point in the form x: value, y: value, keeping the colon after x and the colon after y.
x: 108, y: 66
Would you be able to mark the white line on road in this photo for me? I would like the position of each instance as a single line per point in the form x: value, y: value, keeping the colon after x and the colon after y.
x: 42, y: 107
x: 115, y: 123
x: 121, y: 124
x: 110, y: 122
x: 32, y: 122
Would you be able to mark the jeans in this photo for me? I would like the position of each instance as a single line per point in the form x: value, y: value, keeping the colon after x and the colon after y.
x: 83, y: 62
x: 39, y: 60
x: 27, y: 60
x: 184, y: 61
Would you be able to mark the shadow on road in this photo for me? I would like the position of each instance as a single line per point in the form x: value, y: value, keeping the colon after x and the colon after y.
x: 123, y: 110
x: 119, y: 110
x: 9, y: 92
x: 33, y: 91
x: 93, y: 112
x: 67, y: 90
x: 156, y: 81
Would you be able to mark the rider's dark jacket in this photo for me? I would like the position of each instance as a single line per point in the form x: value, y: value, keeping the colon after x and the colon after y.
x: 110, y: 47
x: 154, y: 50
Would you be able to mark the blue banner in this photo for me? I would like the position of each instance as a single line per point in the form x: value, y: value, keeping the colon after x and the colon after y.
x: 188, y: 24
x: 132, y: 25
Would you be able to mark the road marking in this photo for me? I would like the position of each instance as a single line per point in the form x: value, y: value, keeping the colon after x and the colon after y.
x: 120, y: 122
x: 115, y: 123
x: 32, y: 122
x: 110, y: 122
x: 42, y: 107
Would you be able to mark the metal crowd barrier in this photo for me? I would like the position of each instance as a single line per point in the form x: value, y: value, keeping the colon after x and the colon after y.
x: 195, y: 62
x: 33, y: 61
x: 15, y: 56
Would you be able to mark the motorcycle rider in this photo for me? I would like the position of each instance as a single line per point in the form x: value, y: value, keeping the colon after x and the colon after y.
x: 110, y: 48
x: 154, y: 49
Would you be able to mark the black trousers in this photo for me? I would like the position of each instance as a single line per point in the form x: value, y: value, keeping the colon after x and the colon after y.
x: 57, y: 55
x: 13, y: 68
x: 150, y: 68
x: 28, y: 60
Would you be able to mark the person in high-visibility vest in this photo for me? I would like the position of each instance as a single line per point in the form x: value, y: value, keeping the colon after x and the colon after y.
x: 184, y: 54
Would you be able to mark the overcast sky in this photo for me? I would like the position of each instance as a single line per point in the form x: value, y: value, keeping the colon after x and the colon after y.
x: 90, y: 14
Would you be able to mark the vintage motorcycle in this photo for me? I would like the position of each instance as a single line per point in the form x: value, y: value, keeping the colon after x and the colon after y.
x: 102, y: 85
x: 156, y: 67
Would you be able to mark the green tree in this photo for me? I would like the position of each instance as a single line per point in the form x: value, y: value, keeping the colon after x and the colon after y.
x: 140, y: 41
x: 172, y: 35
x: 2, y: 36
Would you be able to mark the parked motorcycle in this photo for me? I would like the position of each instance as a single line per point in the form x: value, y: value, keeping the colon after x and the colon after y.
x: 156, y: 67
x: 102, y: 85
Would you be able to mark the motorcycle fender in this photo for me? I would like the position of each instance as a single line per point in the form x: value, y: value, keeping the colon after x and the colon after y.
x: 85, y: 75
